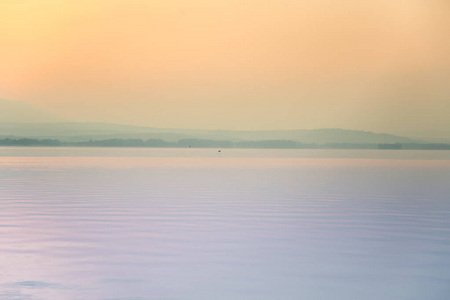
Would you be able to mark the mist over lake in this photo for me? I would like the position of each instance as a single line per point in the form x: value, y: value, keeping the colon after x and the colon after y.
x: 188, y: 224
x: 225, y: 150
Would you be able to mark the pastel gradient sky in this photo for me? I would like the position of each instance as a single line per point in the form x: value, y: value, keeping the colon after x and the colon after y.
x: 381, y: 65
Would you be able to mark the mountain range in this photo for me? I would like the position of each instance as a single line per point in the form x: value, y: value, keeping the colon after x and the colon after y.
x: 22, y: 120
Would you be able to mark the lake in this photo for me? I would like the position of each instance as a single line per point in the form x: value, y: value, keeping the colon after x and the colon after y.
x: 198, y: 224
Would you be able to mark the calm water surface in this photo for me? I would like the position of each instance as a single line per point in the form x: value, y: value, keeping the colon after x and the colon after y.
x: 188, y: 224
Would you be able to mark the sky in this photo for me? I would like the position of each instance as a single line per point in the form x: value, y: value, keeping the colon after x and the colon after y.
x: 381, y: 65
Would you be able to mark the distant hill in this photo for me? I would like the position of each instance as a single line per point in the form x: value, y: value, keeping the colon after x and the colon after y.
x: 19, y: 119
x: 22, y: 112
x: 318, y: 136
x: 72, y: 131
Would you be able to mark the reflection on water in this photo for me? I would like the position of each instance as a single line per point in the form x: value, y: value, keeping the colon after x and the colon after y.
x: 223, y: 227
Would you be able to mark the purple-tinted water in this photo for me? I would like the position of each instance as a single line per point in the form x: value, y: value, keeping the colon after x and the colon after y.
x: 243, y: 224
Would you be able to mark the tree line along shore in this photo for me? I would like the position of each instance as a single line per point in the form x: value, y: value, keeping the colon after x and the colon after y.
x: 203, y: 143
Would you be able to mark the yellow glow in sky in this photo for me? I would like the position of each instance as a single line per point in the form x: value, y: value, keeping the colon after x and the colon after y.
x: 279, y: 64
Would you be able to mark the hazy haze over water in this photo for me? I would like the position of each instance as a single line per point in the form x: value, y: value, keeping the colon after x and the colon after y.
x: 199, y: 224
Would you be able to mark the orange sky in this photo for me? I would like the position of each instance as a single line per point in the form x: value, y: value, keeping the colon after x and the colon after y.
x: 379, y: 65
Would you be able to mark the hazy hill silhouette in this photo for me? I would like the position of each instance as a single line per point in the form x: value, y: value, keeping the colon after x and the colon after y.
x: 19, y: 119
x: 22, y: 112
x: 85, y: 131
